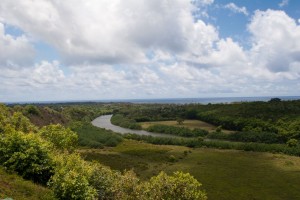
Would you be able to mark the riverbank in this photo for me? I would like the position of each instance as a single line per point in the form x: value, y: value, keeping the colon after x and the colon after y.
x: 104, y: 122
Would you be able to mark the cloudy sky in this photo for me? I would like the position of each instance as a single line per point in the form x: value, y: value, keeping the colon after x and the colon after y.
x: 133, y: 49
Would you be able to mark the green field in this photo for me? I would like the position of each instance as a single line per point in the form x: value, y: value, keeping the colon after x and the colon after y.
x: 13, y: 186
x: 191, y: 124
x: 225, y: 174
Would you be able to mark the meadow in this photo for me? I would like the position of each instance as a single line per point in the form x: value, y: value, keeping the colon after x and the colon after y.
x: 225, y: 174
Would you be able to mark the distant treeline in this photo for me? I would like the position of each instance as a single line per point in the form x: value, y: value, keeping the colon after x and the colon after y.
x: 256, y: 121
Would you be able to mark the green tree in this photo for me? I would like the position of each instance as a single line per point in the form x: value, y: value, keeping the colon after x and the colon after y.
x: 26, y: 154
x: 62, y: 138
x: 21, y: 123
x: 180, y: 186
x: 71, y: 178
x: 292, y: 142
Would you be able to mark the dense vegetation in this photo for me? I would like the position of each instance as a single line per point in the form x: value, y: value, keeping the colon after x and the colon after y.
x: 275, y: 121
x: 94, y: 137
x: 179, y: 131
x: 120, y: 120
x: 278, y: 117
x: 48, y: 156
x: 219, y: 144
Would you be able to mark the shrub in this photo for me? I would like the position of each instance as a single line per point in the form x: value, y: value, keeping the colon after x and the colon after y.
x: 71, y: 178
x: 172, y: 158
x: 26, y: 154
x: 179, y: 186
x: 31, y: 110
x: 292, y: 142
x: 62, y: 138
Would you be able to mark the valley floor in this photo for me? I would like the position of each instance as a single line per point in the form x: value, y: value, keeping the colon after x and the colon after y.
x: 225, y: 174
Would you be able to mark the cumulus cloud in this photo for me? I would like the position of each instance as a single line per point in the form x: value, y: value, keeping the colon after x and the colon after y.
x: 234, y: 8
x: 103, y: 31
x: 15, y: 51
x: 140, y: 49
x: 276, y: 40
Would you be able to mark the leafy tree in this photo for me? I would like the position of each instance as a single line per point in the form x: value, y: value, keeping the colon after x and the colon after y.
x: 21, y: 123
x: 62, y: 138
x: 71, y: 178
x: 272, y: 100
x: 31, y: 110
x: 126, y: 186
x: 180, y: 186
x: 292, y: 142
x: 27, y: 154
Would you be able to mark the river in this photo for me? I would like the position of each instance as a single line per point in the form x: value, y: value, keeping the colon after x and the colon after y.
x: 104, y: 122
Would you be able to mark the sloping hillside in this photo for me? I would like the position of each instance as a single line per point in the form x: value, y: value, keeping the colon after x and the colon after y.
x: 12, y: 186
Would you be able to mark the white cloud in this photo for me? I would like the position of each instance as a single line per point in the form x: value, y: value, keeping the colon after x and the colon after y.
x: 234, y: 8
x: 283, y: 3
x: 103, y: 31
x: 140, y: 49
x: 15, y: 51
x: 276, y: 40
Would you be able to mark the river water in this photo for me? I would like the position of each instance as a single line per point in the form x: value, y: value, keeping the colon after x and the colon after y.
x: 104, y: 122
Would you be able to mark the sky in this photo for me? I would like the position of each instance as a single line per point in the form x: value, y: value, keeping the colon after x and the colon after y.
x: 53, y: 50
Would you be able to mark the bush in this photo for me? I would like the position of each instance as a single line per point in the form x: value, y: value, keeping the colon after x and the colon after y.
x: 179, y: 186
x: 71, y: 178
x: 292, y: 142
x: 26, y: 154
x: 21, y: 123
x: 31, y: 110
x: 172, y: 158
x: 62, y: 138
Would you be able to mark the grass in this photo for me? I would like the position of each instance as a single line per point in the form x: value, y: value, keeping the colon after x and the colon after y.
x: 191, y: 124
x: 225, y: 174
x: 12, y: 186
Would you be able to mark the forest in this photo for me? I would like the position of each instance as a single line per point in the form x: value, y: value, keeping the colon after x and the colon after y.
x: 56, y: 147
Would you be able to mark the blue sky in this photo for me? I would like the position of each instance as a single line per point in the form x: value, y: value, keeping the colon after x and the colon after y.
x: 95, y: 50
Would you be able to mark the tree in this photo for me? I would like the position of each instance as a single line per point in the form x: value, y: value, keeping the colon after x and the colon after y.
x: 71, y: 178
x: 62, y: 138
x: 292, y: 142
x: 275, y: 100
x: 26, y: 154
x: 180, y: 186
x: 21, y: 123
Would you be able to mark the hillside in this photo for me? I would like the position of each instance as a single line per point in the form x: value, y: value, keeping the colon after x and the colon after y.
x: 13, y: 186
